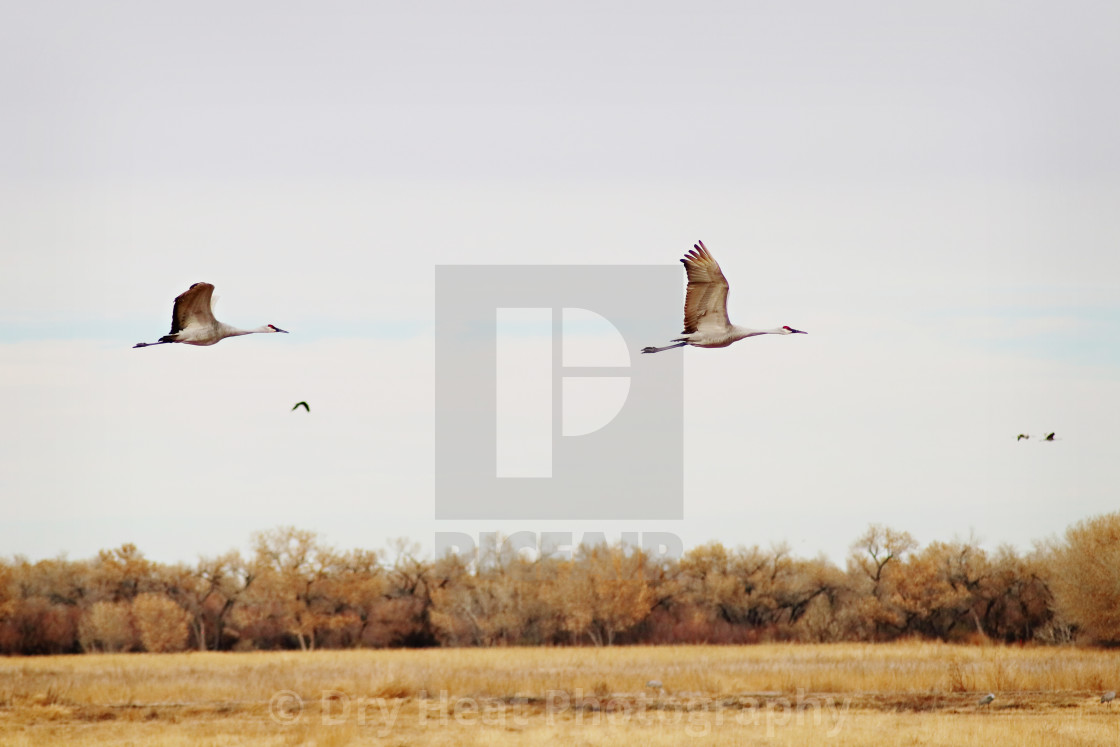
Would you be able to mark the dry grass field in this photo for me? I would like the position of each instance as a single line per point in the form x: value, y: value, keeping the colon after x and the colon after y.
x: 910, y: 693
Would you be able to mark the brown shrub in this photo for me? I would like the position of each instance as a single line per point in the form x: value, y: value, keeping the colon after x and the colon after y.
x: 163, y: 626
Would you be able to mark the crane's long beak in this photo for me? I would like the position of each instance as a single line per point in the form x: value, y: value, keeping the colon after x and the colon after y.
x: 280, y: 330
x: 799, y: 332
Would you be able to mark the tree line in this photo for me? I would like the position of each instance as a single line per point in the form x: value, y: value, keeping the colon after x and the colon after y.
x: 296, y: 592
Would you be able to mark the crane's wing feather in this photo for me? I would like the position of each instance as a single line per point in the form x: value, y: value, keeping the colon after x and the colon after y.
x: 705, y: 304
x: 192, y: 307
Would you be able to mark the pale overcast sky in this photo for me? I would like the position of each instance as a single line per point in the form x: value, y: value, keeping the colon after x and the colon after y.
x: 929, y: 189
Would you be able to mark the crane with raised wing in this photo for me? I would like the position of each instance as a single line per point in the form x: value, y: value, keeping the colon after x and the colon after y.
x: 193, y: 321
x: 705, y: 307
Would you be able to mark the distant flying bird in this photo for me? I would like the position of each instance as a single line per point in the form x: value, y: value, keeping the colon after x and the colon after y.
x: 986, y: 699
x: 1108, y: 697
x: 705, y: 307
x: 1044, y: 437
x: 304, y: 404
x: 193, y: 322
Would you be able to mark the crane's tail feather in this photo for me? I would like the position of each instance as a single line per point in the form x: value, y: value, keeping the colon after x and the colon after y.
x: 667, y: 347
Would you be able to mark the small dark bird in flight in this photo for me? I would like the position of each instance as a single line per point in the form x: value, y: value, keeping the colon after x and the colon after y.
x: 1022, y: 436
x: 1048, y: 437
x: 193, y: 322
x: 305, y: 406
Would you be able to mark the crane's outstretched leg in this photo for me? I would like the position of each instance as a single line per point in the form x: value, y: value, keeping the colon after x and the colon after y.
x: 667, y: 347
x: 173, y: 337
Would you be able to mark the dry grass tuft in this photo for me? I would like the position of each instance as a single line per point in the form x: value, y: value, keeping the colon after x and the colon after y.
x: 395, y: 689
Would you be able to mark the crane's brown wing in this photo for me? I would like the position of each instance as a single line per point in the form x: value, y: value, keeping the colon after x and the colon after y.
x: 192, y: 307
x: 705, y: 304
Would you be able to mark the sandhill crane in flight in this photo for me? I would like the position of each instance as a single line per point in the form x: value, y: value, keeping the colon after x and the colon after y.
x: 705, y: 307
x: 304, y: 405
x: 193, y: 322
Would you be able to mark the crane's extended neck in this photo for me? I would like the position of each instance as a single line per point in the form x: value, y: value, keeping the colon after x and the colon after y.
x: 742, y: 333
x: 230, y: 331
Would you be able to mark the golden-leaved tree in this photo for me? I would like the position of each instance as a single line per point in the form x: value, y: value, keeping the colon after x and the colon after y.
x: 602, y: 592
x: 108, y: 627
x: 1085, y: 577
x: 290, y: 567
x: 162, y: 625
x: 874, y: 570
x: 499, y: 602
